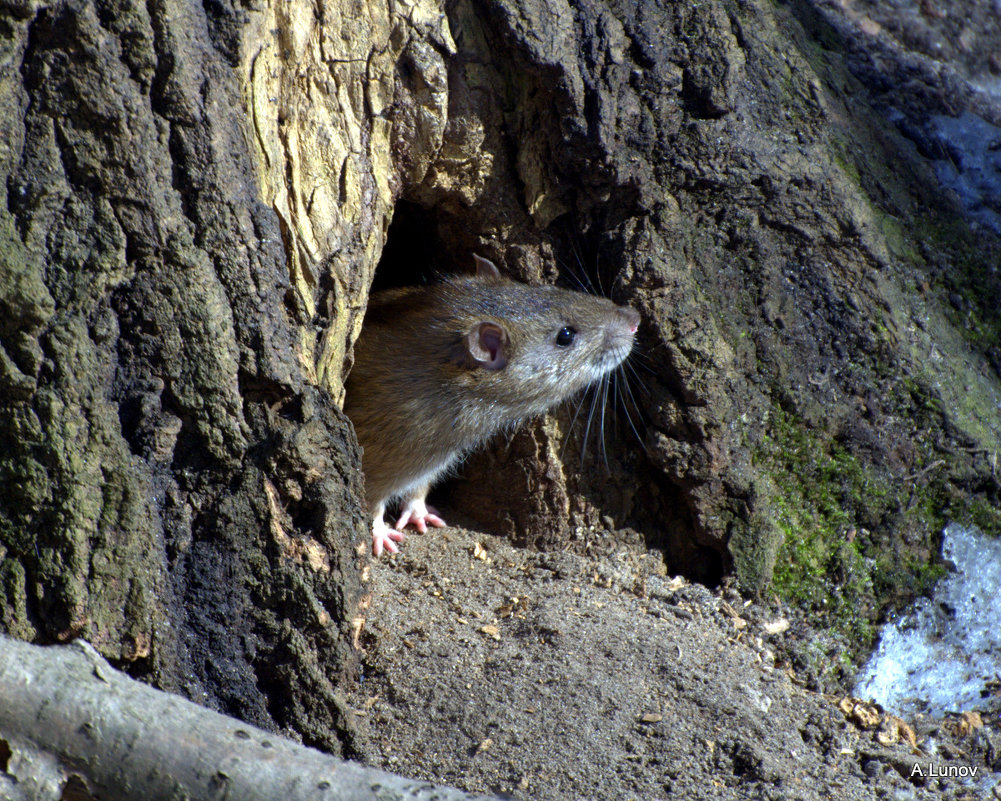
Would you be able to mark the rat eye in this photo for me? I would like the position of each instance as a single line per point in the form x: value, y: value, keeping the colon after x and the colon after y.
x: 566, y: 336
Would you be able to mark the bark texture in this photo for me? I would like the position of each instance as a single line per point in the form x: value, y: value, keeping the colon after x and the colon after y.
x: 172, y: 487
x: 798, y: 263
x: 198, y: 196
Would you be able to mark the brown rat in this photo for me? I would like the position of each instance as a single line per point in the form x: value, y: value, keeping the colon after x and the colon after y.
x: 440, y: 369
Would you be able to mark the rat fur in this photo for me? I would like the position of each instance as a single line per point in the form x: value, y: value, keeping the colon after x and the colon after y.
x: 440, y: 369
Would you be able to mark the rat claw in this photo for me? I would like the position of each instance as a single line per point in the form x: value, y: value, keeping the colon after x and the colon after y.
x: 433, y: 519
x: 383, y: 537
x: 408, y: 517
x: 417, y: 513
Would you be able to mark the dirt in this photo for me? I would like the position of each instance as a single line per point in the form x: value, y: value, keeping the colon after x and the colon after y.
x: 552, y: 676
x: 186, y: 499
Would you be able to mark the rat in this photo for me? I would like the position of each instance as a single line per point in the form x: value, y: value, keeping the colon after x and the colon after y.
x: 440, y: 369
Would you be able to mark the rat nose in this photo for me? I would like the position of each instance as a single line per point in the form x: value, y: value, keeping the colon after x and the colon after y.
x: 630, y: 317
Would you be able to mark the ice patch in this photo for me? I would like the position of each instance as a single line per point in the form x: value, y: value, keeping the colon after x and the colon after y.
x: 941, y: 657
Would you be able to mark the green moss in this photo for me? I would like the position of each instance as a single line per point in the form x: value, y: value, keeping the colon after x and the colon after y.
x: 971, y: 280
x: 830, y: 563
x: 14, y: 599
x: 973, y: 511
x: 844, y: 163
x: 856, y: 539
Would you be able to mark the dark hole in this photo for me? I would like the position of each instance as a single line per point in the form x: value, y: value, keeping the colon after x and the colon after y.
x: 708, y: 568
x: 423, y: 245
x: 413, y: 253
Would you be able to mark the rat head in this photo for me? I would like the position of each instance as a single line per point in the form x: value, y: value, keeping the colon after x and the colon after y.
x: 529, y: 348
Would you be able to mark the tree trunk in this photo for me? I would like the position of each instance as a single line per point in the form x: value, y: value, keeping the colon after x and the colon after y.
x: 198, y: 196
x: 175, y: 489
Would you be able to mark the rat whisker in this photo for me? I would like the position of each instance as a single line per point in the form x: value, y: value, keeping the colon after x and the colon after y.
x: 573, y: 423
x: 587, y: 428
x: 645, y: 365
x: 616, y: 395
x: 639, y: 380
x: 626, y: 391
x: 587, y: 285
x: 604, y: 406
x: 642, y: 360
x: 597, y: 272
x: 618, y: 378
x: 635, y: 405
x: 568, y: 270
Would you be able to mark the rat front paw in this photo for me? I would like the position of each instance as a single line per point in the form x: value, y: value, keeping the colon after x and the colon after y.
x: 385, y: 537
x: 421, y: 516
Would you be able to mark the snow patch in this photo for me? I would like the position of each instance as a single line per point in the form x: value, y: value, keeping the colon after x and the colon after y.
x: 940, y: 658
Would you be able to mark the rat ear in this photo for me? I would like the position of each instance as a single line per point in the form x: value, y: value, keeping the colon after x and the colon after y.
x: 486, y: 345
x: 486, y: 270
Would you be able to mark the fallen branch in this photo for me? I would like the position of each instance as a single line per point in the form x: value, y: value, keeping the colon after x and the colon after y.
x: 73, y: 726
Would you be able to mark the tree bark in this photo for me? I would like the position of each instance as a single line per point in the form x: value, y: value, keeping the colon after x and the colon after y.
x: 73, y: 726
x: 173, y: 486
x: 197, y: 199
